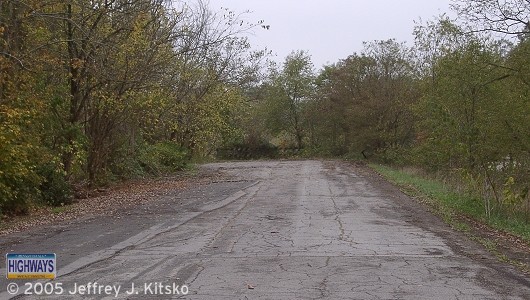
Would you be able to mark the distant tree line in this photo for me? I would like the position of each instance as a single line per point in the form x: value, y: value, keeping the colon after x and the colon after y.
x: 102, y: 90
x: 456, y: 103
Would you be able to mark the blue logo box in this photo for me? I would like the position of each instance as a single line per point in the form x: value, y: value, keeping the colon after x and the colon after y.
x: 31, y: 266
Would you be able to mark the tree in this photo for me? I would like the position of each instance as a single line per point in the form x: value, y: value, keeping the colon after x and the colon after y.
x: 21, y: 109
x: 90, y: 89
x: 511, y: 17
x: 364, y: 101
x: 212, y: 55
x: 460, y: 105
x: 434, y: 39
x: 289, y: 90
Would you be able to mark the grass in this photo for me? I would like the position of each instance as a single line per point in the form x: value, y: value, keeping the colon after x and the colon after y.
x: 448, y: 204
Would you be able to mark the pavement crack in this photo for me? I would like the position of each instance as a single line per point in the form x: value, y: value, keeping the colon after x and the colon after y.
x: 283, y: 268
x: 201, y: 269
x: 323, y: 288
x: 341, y: 226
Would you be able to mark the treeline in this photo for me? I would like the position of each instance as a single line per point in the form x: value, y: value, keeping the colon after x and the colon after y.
x: 101, y: 90
x: 456, y: 103
x: 92, y: 91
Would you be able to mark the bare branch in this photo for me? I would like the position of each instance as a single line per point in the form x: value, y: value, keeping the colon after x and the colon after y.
x: 16, y: 59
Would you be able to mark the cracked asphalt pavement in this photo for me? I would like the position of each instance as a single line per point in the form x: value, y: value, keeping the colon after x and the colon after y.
x: 276, y: 230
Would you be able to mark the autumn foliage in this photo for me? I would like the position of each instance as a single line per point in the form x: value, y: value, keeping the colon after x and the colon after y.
x: 94, y: 91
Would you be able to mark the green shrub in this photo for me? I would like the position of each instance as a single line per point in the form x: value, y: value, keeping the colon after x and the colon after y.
x: 395, y: 155
x: 126, y: 166
x: 18, y: 179
x: 55, y: 190
x: 16, y: 193
x: 261, y: 149
x: 163, y: 158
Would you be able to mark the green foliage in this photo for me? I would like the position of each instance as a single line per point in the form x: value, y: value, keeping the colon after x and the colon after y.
x: 19, y: 156
x: 111, y: 90
x: 163, y: 158
x: 397, y: 155
x: 363, y: 103
x: 473, y: 112
x: 287, y: 93
x: 511, y: 196
x: 459, y: 106
x: 248, y: 150
x: 120, y: 91
x: 55, y: 189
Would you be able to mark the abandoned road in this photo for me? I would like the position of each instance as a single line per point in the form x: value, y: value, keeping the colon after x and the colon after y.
x: 272, y: 230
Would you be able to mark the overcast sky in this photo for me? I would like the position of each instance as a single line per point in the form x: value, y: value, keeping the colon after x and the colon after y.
x: 332, y: 29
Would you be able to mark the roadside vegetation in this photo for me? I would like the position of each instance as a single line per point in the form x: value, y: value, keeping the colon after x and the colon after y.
x: 93, y: 92
x: 503, y: 233
x: 451, y: 201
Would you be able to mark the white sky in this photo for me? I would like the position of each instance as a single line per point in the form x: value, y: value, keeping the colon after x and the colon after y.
x: 332, y: 29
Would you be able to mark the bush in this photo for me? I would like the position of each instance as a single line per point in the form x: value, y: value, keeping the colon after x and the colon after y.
x: 248, y: 151
x: 55, y: 189
x: 127, y: 165
x: 16, y: 193
x: 395, y: 155
x: 163, y: 158
x: 18, y: 179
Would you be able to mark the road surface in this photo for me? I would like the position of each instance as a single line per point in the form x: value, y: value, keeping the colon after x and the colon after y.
x: 271, y: 230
